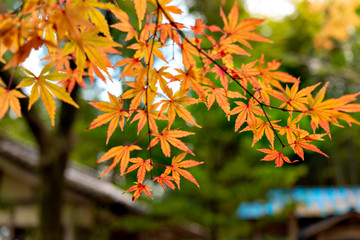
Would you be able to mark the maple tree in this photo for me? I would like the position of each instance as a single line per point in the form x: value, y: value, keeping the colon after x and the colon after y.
x: 76, y: 33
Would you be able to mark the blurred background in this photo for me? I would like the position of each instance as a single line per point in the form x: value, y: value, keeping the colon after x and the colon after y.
x: 239, y: 196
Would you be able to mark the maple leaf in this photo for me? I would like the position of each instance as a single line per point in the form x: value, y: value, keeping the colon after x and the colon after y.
x: 270, y: 76
x: 226, y: 49
x: 246, y: 112
x: 220, y: 73
x: 246, y: 73
x: 132, y: 65
x: 140, y: 7
x: 241, y: 32
x: 147, y: 50
x: 114, y: 114
x: 9, y: 98
x: 170, y: 136
x: 148, y: 116
x: 120, y: 154
x: 273, y: 154
x: 263, y: 92
x: 174, y: 106
x: 160, y: 76
x: 191, y: 79
x: 95, y: 15
x: 221, y: 96
x: 88, y: 45
x: 262, y: 127
x: 9, y: 33
x: 124, y: 25
x: 139, y: 91
x: 303, y: 142
x: 297, y: 99
x: 75, y: 78
x: 164, y: 178
x: 33, y: 42
x: 41, y: 85
x: 164, y: 10
x: 176, y: 166
x: 67, y: 19
x: 142, y: 165
x: 168, y: 30
x: 139, y: 188
x: 292, y: 130
x: 323, y: 112
x: 200, y: 28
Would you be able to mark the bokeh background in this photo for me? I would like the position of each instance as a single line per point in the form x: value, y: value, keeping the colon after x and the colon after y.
x: 240, y: 197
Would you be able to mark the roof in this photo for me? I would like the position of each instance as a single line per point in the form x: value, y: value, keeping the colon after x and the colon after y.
x: 310, y: 202
x: 78, y: 178
x: 326, y: 224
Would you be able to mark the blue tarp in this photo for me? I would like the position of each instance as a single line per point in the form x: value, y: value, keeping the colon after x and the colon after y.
x: 309, y: 202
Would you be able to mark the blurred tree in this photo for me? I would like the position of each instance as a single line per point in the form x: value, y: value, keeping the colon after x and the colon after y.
x: 222, y: 182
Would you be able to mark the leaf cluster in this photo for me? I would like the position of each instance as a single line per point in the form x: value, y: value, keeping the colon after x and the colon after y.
x: 77, y: 32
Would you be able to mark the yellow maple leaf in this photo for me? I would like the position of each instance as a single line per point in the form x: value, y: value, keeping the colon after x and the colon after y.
x: 9, y: 98
x: 42, y: 86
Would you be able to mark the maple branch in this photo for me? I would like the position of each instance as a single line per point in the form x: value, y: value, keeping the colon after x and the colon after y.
x: 148, y: 87
x: 271, y: 126
x: 236, y: 80
x: 140, y: 139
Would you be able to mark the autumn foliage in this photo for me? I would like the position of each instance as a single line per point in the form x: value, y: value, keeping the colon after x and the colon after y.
x: 76, y: 32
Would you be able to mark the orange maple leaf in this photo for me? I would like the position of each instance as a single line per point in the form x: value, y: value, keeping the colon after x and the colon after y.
x: 96, y: 17
x: 164, y: 10
x: 164, y: 178
x: 139, y: 188
x: 273, y: 154
x: 303, y: 142
x: 191, y: 79
x: 323, y: 112
x: 132, y: 65
x: 9, y: 98
x: 67, y: 19
x: 142, y: 165
x: 114, y: 114
x: 124, y: 25
x: 262, y: 127
x: 220, y: 73
x: 170, y: 136
x: 176, y: 166
x: 221, y: 96
x: 270, y: 76
x: 242, y: 31
x: 140, y: 91
x: 120, y: 154
x: 148, y: 116
x: 89, y: 45
x: 200, y: 28
x: 188, y: 51
x: 174, y: 106
x: 297, y: 99
x: 246, y: 112
x: 140, y: 7
x: 292, y: 129
x: 147, y: 50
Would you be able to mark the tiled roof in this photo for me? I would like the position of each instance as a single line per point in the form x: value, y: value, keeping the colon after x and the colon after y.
x: 78, y: 178
x: 310, y: 202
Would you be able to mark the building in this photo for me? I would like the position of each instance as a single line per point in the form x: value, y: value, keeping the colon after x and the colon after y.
x: 89, y: 202
x: 320, y: 213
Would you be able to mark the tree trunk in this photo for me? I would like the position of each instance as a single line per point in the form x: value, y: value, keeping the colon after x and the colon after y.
x: 51, y: 173
x: 55, y: 145
x: 54, y: 155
